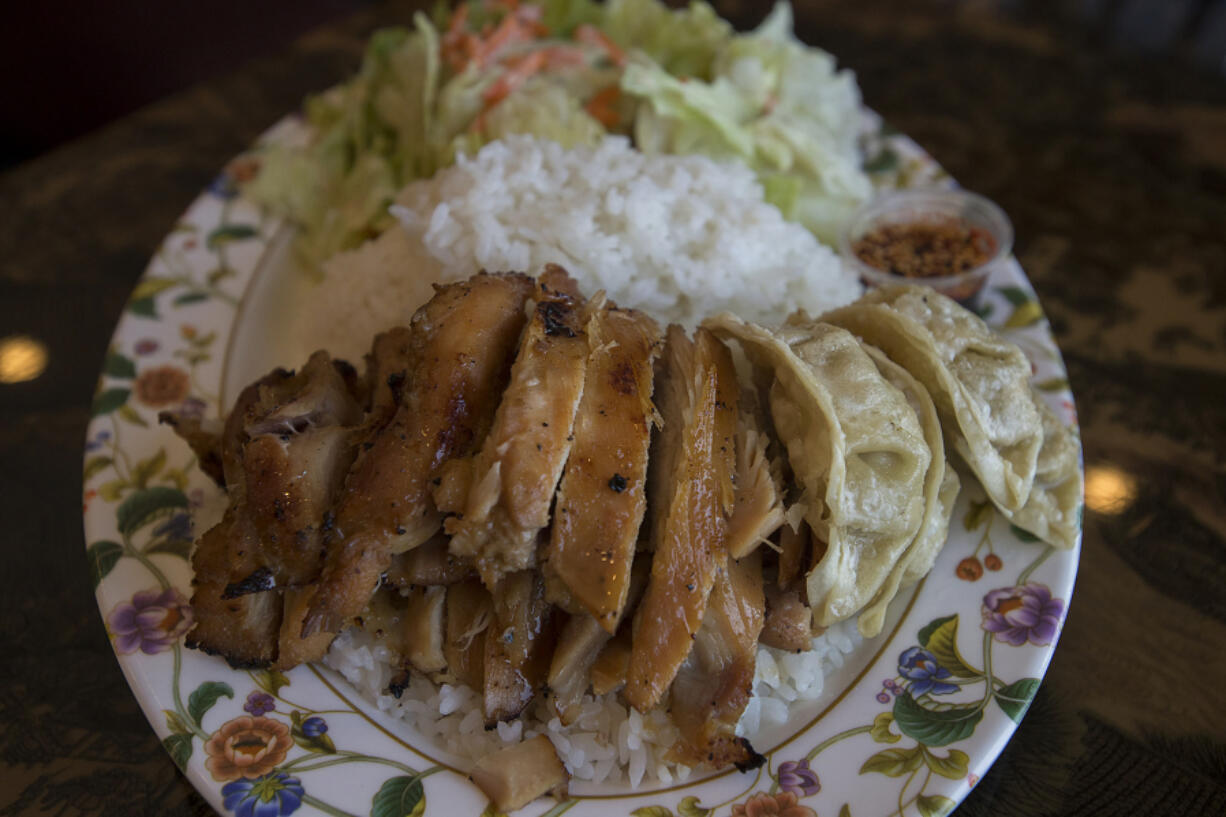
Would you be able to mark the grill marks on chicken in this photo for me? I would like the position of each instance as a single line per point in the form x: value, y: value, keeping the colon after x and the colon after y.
x: 512, y: 479
x: 285, y: 450
x: 689, y: 533
x: 462, y: 344
x: 602, y: 496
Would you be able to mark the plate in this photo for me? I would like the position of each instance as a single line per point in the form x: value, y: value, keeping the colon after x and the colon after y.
x: 906, y: 724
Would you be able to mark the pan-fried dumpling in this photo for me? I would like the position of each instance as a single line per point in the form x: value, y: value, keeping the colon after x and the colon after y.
x: 857, y: 452
x: 941, y: 486
x: 1053, y: 510
x: 979, y: 381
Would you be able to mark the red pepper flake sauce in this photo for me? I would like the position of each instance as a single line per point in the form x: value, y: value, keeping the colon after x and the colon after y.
x: 926, y: 249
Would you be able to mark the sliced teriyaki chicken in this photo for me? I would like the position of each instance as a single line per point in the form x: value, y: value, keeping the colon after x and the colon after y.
x: 758, y: 509
x: 285, y: 450
x: 518, y: 645
x: 715, y: 682
x: 459, y: 362
x: 514, y: 476
x: 428, y: 565
x: 469, y: 614
x: 692, y: 503
x: 602, y: 496
x: 580, y: 644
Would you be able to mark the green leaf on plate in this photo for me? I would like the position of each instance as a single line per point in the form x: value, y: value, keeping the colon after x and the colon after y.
x: 112, y: 490
x: 148, y: 468
x: 942, y: 641
x: 1026, y: 314
x: 937, y: 726
x: 107, y: 401
x: 1052, y: 384
x: 320, y: 744
x: 894, y: 762
x: 204, y: 696
x: 1014, y: 295
x: 1023, y: 535
x: 399, y: 797
x: 934, y: 805
x: 172, y: 547
x: 1016, y: 697
x: 688, y: 807
x: 179, y: 746
x: 145, y: 307
x: 116, y: 365
x: 102, y: 557
x: 954, y: 765
x: 228, y: 233
x: 652, y: 811
x: 149, y: 287
x: 490, y: 811
x: 131, y: 415
x: 190, y: 298
x: 95, y: 465
x: 141, y: 506
x: 175, y: 722
x: 270, y: 680
x: 979, y: 513
x: 845, y: 811
x: 881, y: 729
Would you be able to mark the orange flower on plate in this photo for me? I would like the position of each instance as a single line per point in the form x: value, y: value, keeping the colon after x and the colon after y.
x: 783, y: 804
x: 247, y: 747
x: 162, y: 386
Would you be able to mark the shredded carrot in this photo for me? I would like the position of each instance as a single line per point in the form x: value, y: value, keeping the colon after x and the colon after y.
x: 588, y: 33
x: 563, y: 56
x: 516, y: 74
x: 603, y: 106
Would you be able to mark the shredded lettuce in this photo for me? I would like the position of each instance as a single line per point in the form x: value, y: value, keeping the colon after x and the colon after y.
x: 679, y: 81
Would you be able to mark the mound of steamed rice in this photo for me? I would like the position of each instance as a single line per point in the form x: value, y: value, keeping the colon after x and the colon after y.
x: 610, y: 742
x: 680, y: 237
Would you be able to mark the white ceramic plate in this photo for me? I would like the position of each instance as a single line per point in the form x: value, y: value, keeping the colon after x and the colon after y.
x: 906, y: 726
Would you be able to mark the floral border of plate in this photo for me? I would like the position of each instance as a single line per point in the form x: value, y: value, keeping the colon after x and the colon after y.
x: 956, y: 678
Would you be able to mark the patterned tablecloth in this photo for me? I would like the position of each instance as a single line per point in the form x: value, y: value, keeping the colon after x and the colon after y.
x: 1113, y: 168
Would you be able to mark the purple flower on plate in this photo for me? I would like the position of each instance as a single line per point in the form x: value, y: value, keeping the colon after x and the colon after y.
x: 259, y: 703
x: 98, y: 441
x: 177, y: 527
x: 798, y: 778
x: 273, y: 795
x: 314, y: 726
x: 1015, y: 615
x: 151, y: 622
x: 920, y: 667
x: 145, y: 346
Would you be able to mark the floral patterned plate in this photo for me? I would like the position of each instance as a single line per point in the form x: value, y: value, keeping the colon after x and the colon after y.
x: 907, y: 725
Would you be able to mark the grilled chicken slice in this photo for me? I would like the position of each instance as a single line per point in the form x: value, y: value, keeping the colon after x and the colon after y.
x: 428, y: 565
x: 793, y: 553
x: 602, y: 496
x: 411, y: 627
x: 461, y: 349
x: 515, y: 474
x: 470, y: 612
x: 758, y: 511
x: 699, y: 404
x: 613, y: 664
x: 789, y: 621
x: 581, y: 644
x: 387, y: 367
x: 285, y: 449
x: 716, y: 681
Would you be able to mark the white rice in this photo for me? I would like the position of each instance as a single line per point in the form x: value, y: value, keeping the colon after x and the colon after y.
x: 681, y: 237
x: 609, y: 742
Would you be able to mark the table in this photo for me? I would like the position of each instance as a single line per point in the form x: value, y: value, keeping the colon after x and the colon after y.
x: 1113, y: 168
